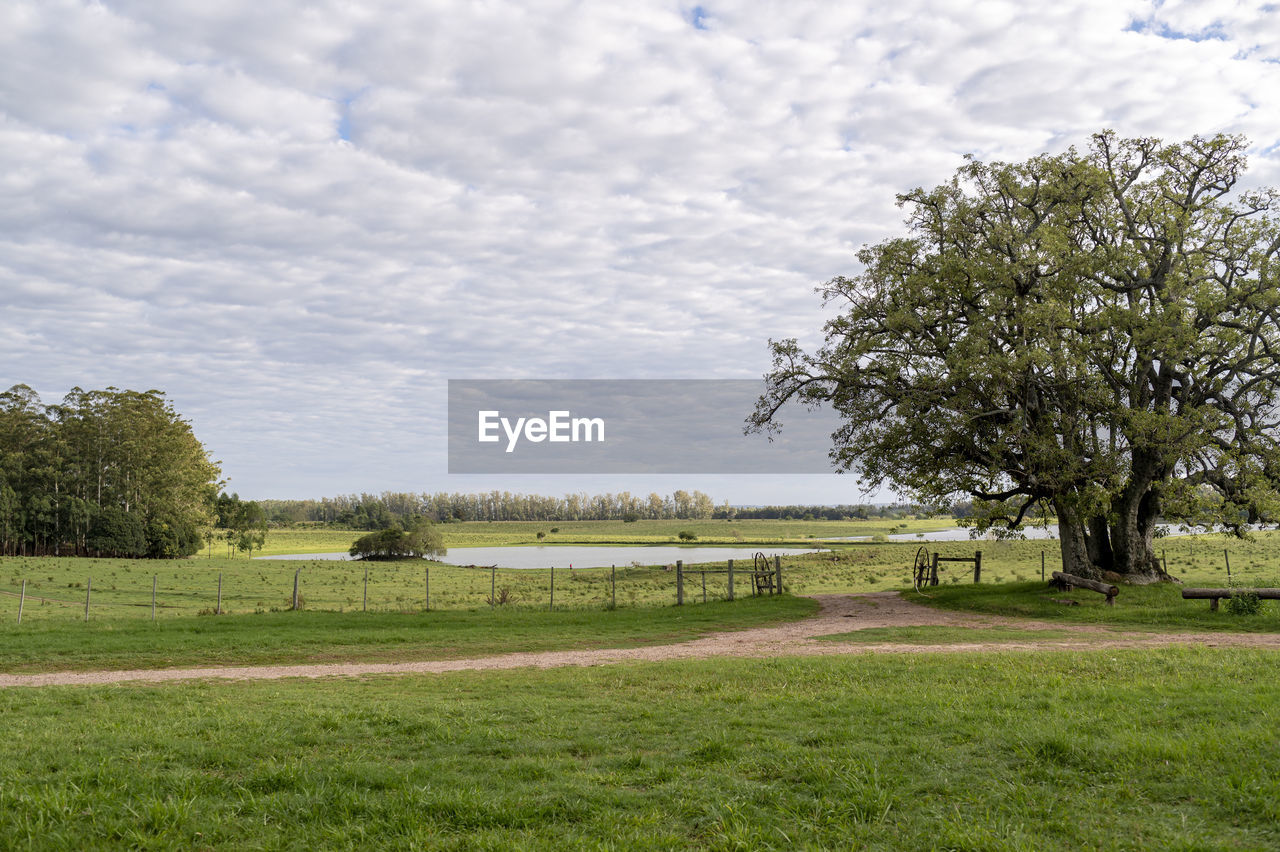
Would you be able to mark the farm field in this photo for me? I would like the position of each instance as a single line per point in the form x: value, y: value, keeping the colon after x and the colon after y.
x: 1150, y: 749
x: 498, y: 533
x: 56, y: 588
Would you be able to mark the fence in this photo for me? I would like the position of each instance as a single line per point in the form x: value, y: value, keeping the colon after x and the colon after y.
x: 119, y: 590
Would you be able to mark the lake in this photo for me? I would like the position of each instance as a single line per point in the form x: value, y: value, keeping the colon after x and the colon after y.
x: 583, y: 556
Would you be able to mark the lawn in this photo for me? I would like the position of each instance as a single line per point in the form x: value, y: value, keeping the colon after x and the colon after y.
x: 1136, y: 749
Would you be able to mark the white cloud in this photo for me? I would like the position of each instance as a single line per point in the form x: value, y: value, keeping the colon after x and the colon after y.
x: 301, y: 219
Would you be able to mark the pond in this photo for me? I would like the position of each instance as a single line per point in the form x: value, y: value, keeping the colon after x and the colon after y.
x: 584, y: 556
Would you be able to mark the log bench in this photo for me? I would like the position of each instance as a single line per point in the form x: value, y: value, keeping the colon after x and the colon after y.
x: 1215, y: 595
x: 1066, y: 582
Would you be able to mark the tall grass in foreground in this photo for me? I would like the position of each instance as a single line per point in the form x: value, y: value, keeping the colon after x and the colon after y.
x: 1168, y: 749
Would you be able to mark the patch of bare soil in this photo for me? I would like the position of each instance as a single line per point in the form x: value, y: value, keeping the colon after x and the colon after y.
x: 837, y: 614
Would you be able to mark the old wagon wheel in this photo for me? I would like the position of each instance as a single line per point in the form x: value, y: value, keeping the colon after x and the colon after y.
x: 922, y: 569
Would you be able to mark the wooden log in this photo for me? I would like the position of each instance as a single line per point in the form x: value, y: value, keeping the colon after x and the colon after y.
x: 1213, y: 595
x: 1200, y: 594
x: 1067, y: 581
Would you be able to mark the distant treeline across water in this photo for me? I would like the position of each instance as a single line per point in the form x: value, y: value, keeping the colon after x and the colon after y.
x: 378, y: 511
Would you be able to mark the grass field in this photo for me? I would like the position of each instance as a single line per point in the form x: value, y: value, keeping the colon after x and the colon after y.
x: 325, y: 637
x: 121, y: 589
x: 497, y: 533
x: 1152, y: 749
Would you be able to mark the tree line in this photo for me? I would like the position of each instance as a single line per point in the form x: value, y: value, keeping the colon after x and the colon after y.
x: 105, y: 472
x: 385, y: 510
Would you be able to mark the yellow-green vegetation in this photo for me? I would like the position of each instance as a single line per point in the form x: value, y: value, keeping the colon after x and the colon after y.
x: 1155, y: 607
x: 1196, y: 560
x: 325, y: 637
x: 56, y: 588
x: 498, y: 533
x: 1140, y: 749
x: 121, y: 588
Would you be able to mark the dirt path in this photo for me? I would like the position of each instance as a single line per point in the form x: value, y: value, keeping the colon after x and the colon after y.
x: 838, y: 614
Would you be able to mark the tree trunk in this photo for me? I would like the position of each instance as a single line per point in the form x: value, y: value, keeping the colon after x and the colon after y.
x: 1133, y: 537
x: 1074, y: 541
x: 1101, y: 553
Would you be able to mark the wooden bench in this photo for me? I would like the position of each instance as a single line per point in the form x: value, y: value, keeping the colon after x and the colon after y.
x: 1066, y: 582
x: 1215, y: 595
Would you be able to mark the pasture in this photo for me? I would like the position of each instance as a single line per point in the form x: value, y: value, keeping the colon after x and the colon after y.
x: 1154, y: 749
x: 1151, y: 748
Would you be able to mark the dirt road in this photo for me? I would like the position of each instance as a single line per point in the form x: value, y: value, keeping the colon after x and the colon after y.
x: 838, y: 614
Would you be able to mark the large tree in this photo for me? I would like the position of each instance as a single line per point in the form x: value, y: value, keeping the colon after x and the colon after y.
x: 1093, y: 333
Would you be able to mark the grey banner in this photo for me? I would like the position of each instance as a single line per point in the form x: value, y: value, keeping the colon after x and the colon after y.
x: 684, y: 426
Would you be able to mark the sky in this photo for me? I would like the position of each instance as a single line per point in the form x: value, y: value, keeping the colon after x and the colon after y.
x: 300, y: 220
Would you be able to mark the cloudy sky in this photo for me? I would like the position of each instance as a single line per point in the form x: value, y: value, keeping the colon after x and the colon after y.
x: 301, y: 219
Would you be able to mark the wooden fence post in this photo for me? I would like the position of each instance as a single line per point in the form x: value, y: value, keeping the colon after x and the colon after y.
x: 777, y: 565
x: 154, y: 578
x: 493, y: 587
x: 426, y: 582
x: 22, y: 599
x: 1227, y: 556
x: 218, y: 611
x: 88, y: 587
x: 553, y: 588
x: 1042, y: 565
x: 364, y: 603
x: 730, y: 579
x: 977, y: 565
x: 295, y: 587
x: 933, y: 580
x: 704, y: 586
x: 679, y: 583
x: 613, y: 586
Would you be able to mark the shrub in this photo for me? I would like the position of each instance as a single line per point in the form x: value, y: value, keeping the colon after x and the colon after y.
x: 1244, y: 602
x: 686, y: 535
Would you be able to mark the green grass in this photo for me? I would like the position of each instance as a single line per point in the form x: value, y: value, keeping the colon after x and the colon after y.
x: 498, y: 533
x: 1156, y: 607
x: 324, y: 637
x: 945, y: 635
x: 120, y: 589
x: 1151, y: 749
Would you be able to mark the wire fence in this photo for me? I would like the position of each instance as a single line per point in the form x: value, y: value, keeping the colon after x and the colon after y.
x: 122, y: 592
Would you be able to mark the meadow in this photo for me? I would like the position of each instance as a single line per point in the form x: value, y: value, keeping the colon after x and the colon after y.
x: 1151, y: 749
x: 317, y: 539
x: 120, y: 589
x: 1169, y: 748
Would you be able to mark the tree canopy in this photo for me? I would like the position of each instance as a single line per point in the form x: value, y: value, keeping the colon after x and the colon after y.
x: 1094, y: 333
x: 109, y: 472
x: 416, y: 539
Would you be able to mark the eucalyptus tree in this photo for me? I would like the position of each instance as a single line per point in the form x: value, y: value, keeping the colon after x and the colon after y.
x: 1096, y: 333
x: 97, y: 469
